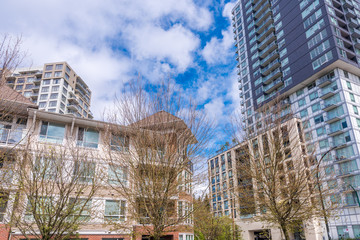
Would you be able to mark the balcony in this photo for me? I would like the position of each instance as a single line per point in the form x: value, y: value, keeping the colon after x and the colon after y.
x: 260, y: 10
x: 263, y: 16
x: 72, y: 107
x: 340, y: 158
x: 242, y: 102
x: 325, y: 80
x: 37, y: 81
x: 271, y: 37
x: 275, y: 84
x: 273, y: 75
x: 11, y: 136
x: 335, y: 131
x: 264, y: 25
x: 329, y: 106
x: 350, y: 13
x: 355, y: 33
x: 326, y: 93
x: 274, y: 64
x: 268, y: 49
x: 269, y: 58
x: 331, y: 119
x: 36, y: 89
x: 257, y: 5
x: 347, y: 4
x: 353, y: 23
x: 34, y: 95
x: 357, y: 42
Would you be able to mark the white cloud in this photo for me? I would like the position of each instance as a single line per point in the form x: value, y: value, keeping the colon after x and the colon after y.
x: 176, y: 44
x: 221, y: 50
x: 109, y: 42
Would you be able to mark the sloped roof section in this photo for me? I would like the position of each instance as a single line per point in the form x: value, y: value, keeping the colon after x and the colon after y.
x: 12, y: 102
x: 161, y: 118
x: 10, y: 95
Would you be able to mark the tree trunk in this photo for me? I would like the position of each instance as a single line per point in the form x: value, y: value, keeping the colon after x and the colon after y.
x: 285, y: 231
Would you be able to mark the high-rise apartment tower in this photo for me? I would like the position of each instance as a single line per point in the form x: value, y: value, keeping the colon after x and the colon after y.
x: 54, y: 88
x: 309, y: 52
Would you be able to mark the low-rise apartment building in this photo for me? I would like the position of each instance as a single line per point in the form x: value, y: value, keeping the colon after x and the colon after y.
x: 29, y: 128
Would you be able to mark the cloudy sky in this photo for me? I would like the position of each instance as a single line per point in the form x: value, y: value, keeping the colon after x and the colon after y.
x: 109, y: 42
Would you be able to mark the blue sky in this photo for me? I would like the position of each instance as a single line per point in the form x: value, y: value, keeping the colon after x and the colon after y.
x: 109, y: 42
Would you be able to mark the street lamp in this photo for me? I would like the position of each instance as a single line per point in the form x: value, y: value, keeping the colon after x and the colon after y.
x: 356, y: 193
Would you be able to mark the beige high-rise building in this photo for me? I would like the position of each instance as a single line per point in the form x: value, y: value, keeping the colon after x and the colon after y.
x: 55, y: 87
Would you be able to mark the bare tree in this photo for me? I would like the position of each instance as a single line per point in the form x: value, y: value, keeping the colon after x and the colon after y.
x: 52, y: 191
x: 277, y: 171
x: 168, y: 136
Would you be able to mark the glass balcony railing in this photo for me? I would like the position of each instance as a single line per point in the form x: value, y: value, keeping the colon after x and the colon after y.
x: 272, y: 64
x: 271, y: 75
x: 11, y: 136
x: 272, y: 54
x: 263, y: 42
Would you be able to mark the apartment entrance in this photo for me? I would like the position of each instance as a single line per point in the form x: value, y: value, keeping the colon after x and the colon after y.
x: 262, y: 235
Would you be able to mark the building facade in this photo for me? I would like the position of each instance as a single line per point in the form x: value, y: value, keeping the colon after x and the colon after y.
x: 29, y: 126
x: 308, y: 52
x: 229, y: 170
x: 54, y: 88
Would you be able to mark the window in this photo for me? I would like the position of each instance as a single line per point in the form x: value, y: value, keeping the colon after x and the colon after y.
x: 58, y: 67
x: 358, y: 122
x: 87, y: 138
x: 356, y: 111
x: 67, y: 76
x: 313, y: 96
x: 45, y: 89
x: 320, y: 131
x: 318, y: 119
x: 19, y: 87
x: 320, y: 49
x: 45, y: 167
x: 299, y: 92
x: 119, y: 142
x: 322, y: 60
x: 303, y: 113
x: 54, y: 96
x: 28, y: 86
x: 52, y: 103
x: 302, y: 102
x: 42, y: 104
x: 47, y: 75
x: 352, y: 97
x: 117, y: 175
x: 20, y: 80
x: 342, y: 232
x: 4, y: 197
x: 114, y: 210
x: 84, y: 171
x: 57, y: 74
x: 52, y: 132
x: 320, y: 24
x: 67, y: 69
x: 308, y: 22
x: 315, y: 107
x: 56, y: 81
x: 49, y: 67
x: 82, y: 208
x: 323, y: 144
x: 348, y: 84
x: 317, y: 38
x: 55, y: 88
x: 309, y: 9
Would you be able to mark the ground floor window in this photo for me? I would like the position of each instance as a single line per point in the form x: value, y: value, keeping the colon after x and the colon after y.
x: 183, y: 236
x: 343, y: 232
